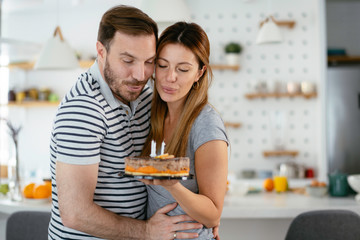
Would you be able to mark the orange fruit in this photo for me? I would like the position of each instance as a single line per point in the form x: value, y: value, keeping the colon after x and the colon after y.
x: 268, y: 184
x: 47, y: 183
x: 42, y: 191
x: 28, y: 190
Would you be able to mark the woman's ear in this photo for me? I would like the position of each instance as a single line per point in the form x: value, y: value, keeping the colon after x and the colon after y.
x: 200, y: 73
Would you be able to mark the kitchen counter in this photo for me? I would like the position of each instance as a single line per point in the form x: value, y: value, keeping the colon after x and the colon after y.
x: 281, y: 205
x: 249, y: 206
x: 7, y: 206
x: 263, y: 215
x: 254, y: 216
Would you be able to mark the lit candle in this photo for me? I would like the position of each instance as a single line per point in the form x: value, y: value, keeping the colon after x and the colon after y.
x: 153, y: 149
x: 162, y: 148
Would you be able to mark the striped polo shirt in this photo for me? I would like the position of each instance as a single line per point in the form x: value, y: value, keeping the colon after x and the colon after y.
x: 91, y: 126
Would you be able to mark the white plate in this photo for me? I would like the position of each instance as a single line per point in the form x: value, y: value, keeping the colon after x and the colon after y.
x: 190, y: 176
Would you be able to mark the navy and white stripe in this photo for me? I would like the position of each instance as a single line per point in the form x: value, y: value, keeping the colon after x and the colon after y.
x: 91, y: 126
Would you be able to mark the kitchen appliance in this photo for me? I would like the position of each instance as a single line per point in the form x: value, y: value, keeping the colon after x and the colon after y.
x: 343, y: 119
x: 290, y: 170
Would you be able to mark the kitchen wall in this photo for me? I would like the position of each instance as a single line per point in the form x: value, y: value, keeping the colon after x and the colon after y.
x: 301, y: 57
x: 343, y: 25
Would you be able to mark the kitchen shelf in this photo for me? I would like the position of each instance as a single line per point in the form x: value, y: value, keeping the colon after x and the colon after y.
x: 30, y: 104
x: 21, y: 65
x: 232, y: 124
x: 276, y: 153
x: 225, y: 67
x: 280, y: 95
x: 88, y: 63
x: 333, y: 60
x: 30, y: 65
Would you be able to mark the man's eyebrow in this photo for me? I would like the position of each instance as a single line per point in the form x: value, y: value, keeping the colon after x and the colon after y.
x: 126, y: 54
x: 132, y: 56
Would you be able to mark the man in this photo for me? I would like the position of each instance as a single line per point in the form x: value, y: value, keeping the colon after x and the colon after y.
x: 101, y: 120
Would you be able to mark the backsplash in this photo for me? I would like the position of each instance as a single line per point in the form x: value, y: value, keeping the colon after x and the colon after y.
x: 297, y: 59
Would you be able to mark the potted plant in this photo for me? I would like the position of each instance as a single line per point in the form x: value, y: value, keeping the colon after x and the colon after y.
x: 232, y: 53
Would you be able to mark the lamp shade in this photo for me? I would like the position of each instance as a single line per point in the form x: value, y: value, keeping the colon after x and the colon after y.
x: 269, y: 33
x: 57, y: 54
x: 166, y: 12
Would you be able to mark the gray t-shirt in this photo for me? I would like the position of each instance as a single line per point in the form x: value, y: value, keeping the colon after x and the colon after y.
x: 207, y: 126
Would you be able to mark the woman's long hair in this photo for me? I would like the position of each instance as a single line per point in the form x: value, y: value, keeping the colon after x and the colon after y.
x: 194, y: 38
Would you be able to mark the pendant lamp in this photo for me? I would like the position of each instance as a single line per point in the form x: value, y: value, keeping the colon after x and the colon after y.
x: 166, y: 12
x: 269, y: 32
x: 57, y: 54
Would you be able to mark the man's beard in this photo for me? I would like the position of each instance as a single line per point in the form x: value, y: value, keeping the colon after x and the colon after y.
x: 115, y: 85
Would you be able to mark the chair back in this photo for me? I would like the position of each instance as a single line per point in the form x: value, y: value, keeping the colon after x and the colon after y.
x: 325, y: 224
x: 28, y: 225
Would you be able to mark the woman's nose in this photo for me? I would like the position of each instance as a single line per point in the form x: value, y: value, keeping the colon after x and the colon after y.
x: 171, y: 76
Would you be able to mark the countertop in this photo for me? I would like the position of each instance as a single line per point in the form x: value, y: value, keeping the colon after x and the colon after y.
x: 251, y: 206
x: 7, y: 206
x: 281, y: 205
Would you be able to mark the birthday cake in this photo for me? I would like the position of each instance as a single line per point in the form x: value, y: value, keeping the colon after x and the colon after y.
x: 157, y: 165
x: 171, y: 166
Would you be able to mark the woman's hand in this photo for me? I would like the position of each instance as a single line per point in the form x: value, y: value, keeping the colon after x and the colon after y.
x: 216, y: 232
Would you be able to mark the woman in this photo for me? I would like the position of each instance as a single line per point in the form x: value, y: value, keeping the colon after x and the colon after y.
x: 182, y: 117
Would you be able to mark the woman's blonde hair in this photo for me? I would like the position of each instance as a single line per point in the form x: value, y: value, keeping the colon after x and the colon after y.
x: 194, y: 38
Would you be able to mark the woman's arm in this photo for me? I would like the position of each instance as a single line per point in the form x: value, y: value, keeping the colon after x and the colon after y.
x: 211, y: 166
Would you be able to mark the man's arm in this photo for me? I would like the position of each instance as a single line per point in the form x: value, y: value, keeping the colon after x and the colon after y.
x: 76, y: 186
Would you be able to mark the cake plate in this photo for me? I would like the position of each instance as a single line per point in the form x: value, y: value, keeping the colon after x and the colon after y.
x: 123, y: 174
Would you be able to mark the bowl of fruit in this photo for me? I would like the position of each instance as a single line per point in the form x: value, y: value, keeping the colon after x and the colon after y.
x: 37, y: 192
x: 317, y: 189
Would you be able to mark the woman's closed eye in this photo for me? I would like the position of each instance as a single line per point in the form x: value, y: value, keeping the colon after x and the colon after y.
x: 183, y: 70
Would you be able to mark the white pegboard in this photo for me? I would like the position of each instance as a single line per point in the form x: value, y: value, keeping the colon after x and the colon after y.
x: 296, y: 59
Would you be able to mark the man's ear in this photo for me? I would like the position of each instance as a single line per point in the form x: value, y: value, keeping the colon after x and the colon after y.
x: 101, y: 50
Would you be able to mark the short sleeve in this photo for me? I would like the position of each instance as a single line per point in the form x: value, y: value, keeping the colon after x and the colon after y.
x: 79, y: 130
x: 208, y: 126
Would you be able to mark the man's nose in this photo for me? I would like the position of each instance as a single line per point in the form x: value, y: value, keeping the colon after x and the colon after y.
x: 139, y: 72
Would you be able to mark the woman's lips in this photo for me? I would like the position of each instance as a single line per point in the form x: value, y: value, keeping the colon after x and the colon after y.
x: 169, y: 90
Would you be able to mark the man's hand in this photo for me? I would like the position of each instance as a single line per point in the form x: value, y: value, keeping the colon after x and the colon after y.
x: 161, y: 226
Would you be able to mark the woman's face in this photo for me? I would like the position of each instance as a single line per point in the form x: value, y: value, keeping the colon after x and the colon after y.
x: 176, y: 71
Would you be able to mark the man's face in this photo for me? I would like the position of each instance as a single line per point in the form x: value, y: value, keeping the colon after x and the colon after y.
x: 128, y: 64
